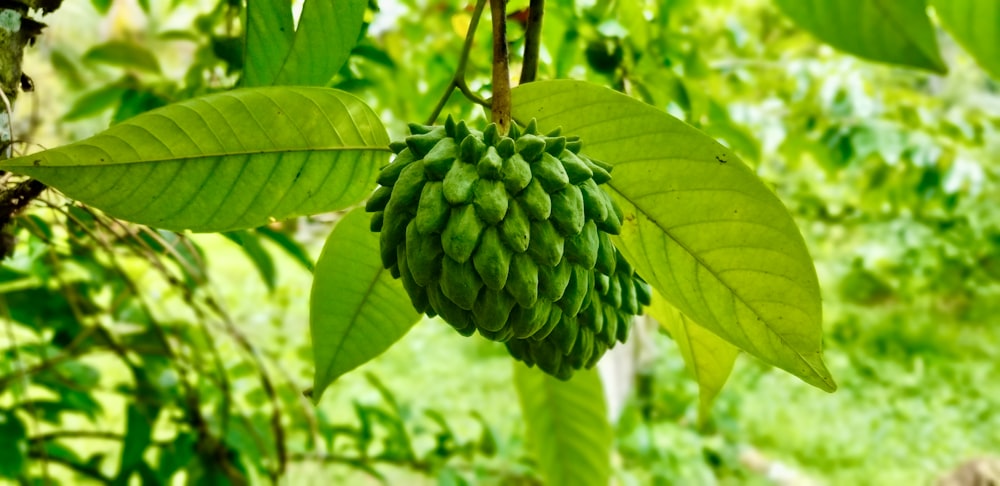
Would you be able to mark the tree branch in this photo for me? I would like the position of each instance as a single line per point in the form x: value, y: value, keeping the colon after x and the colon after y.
x: 532, y: 41
x: 458, y: 80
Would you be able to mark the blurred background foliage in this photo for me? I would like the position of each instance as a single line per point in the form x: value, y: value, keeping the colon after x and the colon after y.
x: 135, y: 353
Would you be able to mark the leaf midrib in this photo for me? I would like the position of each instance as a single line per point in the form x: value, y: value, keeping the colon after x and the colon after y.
x: 28, y: 161
x: 354, y: 317
x: 725, y: 284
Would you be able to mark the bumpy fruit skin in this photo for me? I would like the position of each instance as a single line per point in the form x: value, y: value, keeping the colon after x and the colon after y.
x: 508, y: 236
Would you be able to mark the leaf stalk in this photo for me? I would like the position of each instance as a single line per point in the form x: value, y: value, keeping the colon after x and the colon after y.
x: 500, y: 104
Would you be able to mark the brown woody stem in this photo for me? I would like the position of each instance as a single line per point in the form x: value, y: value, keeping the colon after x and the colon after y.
x: 532, y: 41
x: 500, y: 105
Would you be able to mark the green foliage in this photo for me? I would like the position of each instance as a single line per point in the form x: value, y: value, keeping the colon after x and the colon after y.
x: 974, y: 24
x: 254, y: 250
x: 357, y: 310
x: 737, y: 266
x: 880, y: 167
x: 223, y: 162
x: 567, y: 426
x: 323, y: 40
x: 123, y: 54
x: 14, y: 447
x: 709, y: 357
x: 893, y: 31
x: 269, y: 38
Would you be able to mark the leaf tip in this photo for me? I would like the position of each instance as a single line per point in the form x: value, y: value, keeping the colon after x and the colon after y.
x: 819, y: 375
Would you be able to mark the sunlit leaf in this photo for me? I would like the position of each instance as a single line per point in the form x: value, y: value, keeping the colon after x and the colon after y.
x: 699, y: 225
x: 709, y: 357
x: 356, y: 310
x: 269, y: 34
x: 567, y: 424
x: 976, y: 25
x: 327, y: 31
x: 225, y: 161
x: 892, y: 31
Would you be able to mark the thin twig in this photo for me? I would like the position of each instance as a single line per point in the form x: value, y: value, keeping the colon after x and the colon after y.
x: 265, y: 380
x: 458, y: 80
x: 532, y: 41
x: 500, y: 105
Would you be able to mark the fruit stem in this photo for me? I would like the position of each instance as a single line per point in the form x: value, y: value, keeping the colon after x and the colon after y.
x: 532, y: 41
x: 500, y: 105
x: 458, y: 80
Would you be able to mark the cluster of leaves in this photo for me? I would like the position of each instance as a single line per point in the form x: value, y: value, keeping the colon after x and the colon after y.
x: 733, y: 274
x: 131, y: 334
x: 184, y: 389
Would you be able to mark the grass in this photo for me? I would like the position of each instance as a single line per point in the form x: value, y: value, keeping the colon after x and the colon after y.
x: 917, y: 393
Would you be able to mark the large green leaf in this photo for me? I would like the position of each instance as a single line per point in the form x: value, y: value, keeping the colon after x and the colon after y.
x: 226, y: 161
x: 356, y: 310
x: 567, y: 426
x: 976, y: 25
x: 328, y: 30
x: 892, y: 31
x: 699, y: 225
x: 709, y: 357
x: 269, y: 35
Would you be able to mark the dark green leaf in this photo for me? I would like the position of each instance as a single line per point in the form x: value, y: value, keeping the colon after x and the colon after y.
x: 230, y: 50
x: 292, y: 247
x: 327, y: 31
x: 175, y: 456
x: 699, y: 225
x: 13, y: 445
x: 357, y: 310
x: 95, y: 102
x: 892, y: 31
x: 102, y: 6
x: 135, y: 102
x: 123, y: 54
x: 138, y: 436
x: 567, y: 424
x: 226, y: 161
x: 250, y: 243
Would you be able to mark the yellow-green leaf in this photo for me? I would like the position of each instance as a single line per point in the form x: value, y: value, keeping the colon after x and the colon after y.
x: 568, y: 428
x: 976, y: 25
x: 892, y: 31
x: 268, y: 39
x: 327, y: 31
x: 225, y: 161
x: 356, y: 309
x: 699, y: 225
